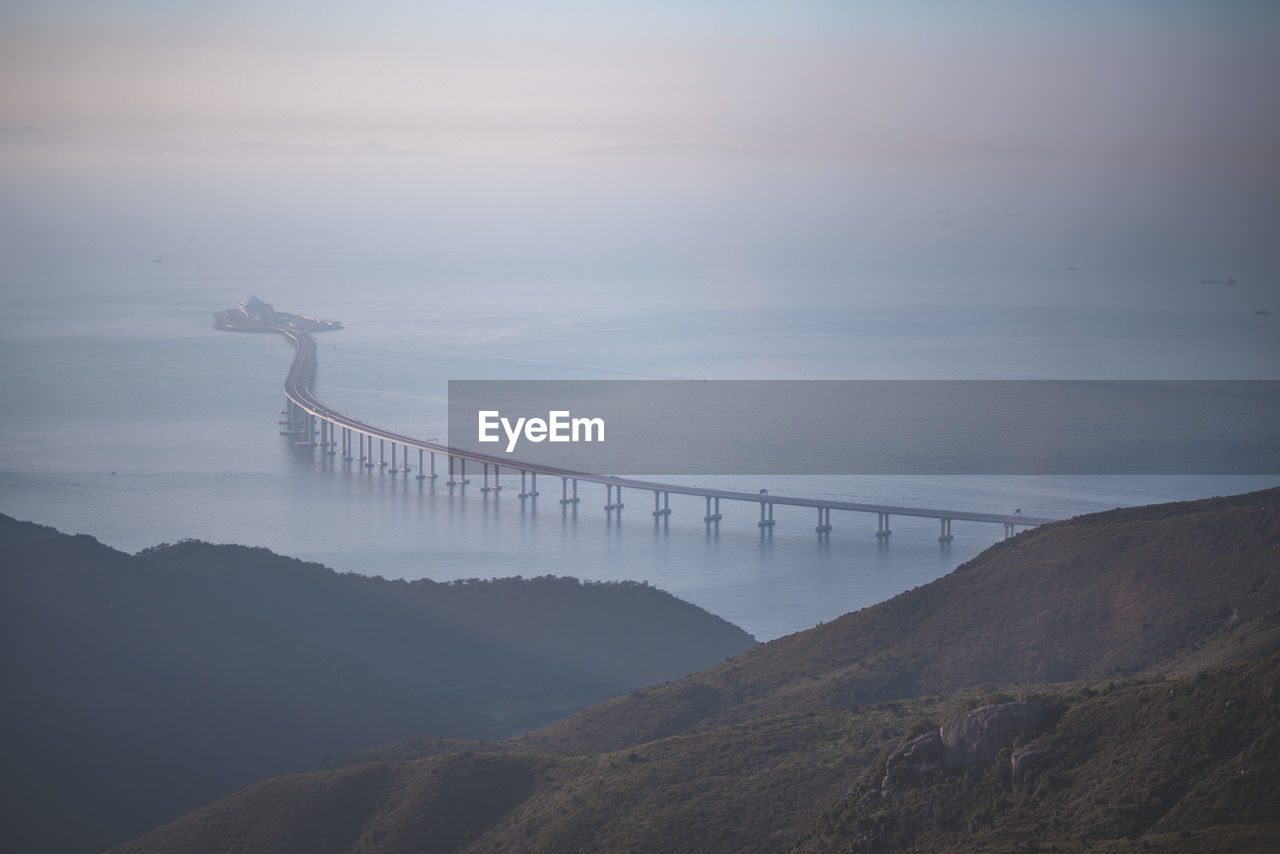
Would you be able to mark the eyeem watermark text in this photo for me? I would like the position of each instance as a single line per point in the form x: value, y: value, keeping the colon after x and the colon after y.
x: 558, y: 426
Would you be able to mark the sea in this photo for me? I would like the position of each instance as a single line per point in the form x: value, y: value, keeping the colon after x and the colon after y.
x: 126, y: 416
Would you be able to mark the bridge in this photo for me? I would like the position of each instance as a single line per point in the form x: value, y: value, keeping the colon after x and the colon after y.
x: 313, y: 423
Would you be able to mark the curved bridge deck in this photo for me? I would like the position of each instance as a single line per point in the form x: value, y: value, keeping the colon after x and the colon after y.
x: 319, y: 425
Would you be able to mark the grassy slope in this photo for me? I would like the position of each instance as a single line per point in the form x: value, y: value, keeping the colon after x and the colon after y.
x: 1175, y: 763
x: 1130, y: 592
x: 752, y: 753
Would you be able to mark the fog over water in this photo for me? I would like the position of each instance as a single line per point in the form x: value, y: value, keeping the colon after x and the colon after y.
x: 806, y: 194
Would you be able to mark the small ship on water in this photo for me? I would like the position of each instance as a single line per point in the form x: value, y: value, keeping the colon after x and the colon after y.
x: 254, y: 315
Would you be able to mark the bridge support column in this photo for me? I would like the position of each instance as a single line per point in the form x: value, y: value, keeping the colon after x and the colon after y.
x: 712, y: 515
x: 497, y: 487
x: 1008, y: 530
x: 451, y: 481
x: 766, y: 521
x: 308, y: 432
x: 422, y: 476
x: 393, y: 458
x: 882, y: 526
x: 610, y: 503
x: 824, y: 520
x: 665, y: 508
x: 484, y: 478
x: 945, y: 536
x: 565, y: 497
x: 382, y: 453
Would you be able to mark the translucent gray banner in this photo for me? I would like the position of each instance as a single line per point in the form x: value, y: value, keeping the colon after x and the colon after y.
x: 1014, y: 427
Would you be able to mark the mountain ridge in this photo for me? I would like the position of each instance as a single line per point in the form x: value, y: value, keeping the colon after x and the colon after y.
x: 1147, y: 636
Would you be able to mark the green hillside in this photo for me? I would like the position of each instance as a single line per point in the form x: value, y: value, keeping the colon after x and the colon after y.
x: 139, y: 687
x: 1139, y: 645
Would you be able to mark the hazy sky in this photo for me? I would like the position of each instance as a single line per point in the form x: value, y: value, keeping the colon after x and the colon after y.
x: 746, y: 142
x: 1189, y: 80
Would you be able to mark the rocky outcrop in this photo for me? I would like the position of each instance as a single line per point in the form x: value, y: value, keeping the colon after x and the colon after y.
x: 975, y: 737
x: 965, y: 741
x: 1029, y: 759
x: 906, y: 765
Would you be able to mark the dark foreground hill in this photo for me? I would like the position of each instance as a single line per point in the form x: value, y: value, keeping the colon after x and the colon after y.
x: 138, y: 687
x: 1108, y: 683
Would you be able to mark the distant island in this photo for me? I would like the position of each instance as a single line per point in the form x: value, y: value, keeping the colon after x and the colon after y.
x: 254, y: 315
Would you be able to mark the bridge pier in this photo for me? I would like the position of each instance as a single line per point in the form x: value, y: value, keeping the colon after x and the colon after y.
x: 393, y: 458
x: 609, y: 502
x: 484, y: 478
x: 665, y: 509
x: 824, y: 520
x: 1008, y: 530
x: 309, y: 439
x: 485, y: 485
x: 882, y: 526
x: 382, y: 453
x: 766, y: 521
x: 565, y: 497
x: 712, y: 516
x: 945, y: 536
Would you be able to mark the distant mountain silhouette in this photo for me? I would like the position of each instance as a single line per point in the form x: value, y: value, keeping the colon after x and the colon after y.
x: 141, y: 686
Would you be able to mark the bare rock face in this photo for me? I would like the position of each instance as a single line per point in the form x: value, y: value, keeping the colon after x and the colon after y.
x: 1028, y: 760
x: 975, y: 737
x: 906, y: 765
